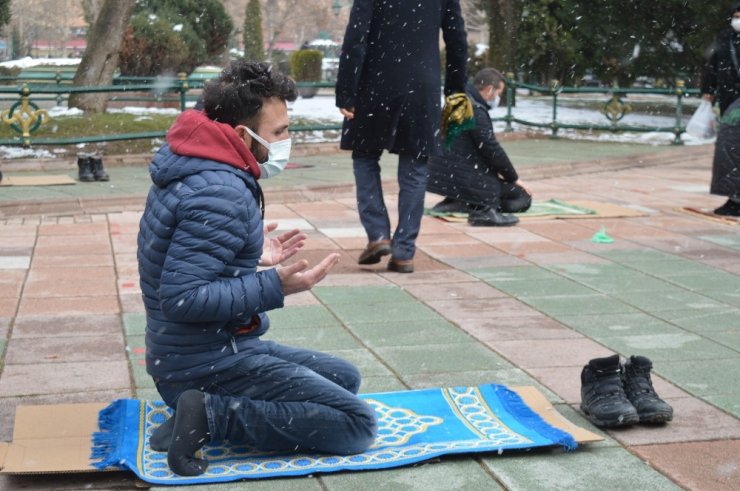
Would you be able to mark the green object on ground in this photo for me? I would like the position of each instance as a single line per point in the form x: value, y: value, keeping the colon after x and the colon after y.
x: 600, y: 237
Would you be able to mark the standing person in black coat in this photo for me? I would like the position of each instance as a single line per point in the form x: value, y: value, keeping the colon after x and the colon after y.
x: 475, y: 175
x: 388, y: 89
x: 721, y: 82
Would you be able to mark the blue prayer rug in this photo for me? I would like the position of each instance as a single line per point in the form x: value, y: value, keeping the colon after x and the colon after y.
x: 414, y: 426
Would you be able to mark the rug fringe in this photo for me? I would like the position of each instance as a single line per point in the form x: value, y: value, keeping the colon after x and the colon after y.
x: 107, y: 442
x: 519, y: 409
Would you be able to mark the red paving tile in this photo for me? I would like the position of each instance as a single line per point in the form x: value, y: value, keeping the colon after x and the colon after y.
x: 68, y: 305
x: 73, y: 229
x: 537, y: 353
x: 451, y: 291
x: 699, y: 465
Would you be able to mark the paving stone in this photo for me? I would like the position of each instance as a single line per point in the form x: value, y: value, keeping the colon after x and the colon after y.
x: 435, y: 358
x: 728, y: 337
x: 657, y: 301
x: 494, y: 276
x: 697, y: 465
x: 60, y: 378
x: 411, y: 333
x: 366, y: 362
x: 454, y: 472
x: 352, y: 314
x: 476, y: 308
x: 667, y: 269
x: 728, y: 298
x: 719, y: 281
x: 698, y: 377
x: 427, y: 277
x: 15, y: 262
x: 669, y: 346
x: 333, y: 295
x: 72, y: 261
x: 544, y: 288
x: 704, y: 320
x: 131, y: 303
x: 301, y: 299
x: 315, y: 338
x: 498, y: 261
x: 728, y: 403
x: 451, y: 291
x: 693, y: 420
x: 603, y: 326
x: 142, y: 380
x: 302, y: 317
x: 65, y: 349
x: 69, y: 306
x: 56, y: 282
x: 353, y: 279
x: 550, y: 352
x: 39, y: 326
x: 579, y: 470
x: 375, y: 384
x: 578, y: 305
x: 504, y: 328
x: 134, y: 324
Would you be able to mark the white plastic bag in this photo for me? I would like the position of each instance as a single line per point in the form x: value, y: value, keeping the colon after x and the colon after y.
x: 703, y: 124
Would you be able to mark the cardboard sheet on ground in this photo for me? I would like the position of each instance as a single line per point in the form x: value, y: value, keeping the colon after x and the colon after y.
x: 57, y: 438
x: 54, y: 180
x: 708, y: 214
x: 557, y: 209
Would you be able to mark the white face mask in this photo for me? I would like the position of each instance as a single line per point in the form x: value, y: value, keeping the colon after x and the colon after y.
x: 735, y: 23
x: 278, y: 154
x: 495, y: 102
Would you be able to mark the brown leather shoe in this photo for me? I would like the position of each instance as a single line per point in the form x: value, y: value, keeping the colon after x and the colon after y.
x: 401, y: 265
x: 374, y: 251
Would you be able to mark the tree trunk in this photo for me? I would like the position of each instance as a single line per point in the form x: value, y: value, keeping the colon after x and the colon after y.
x: 101, y: 56
x: 503, y: 24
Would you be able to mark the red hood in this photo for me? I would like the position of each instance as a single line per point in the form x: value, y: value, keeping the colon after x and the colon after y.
x: 195, y: 135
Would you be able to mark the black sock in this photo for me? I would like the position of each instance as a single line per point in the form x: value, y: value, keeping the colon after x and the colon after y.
x: 189, y: 435
x: 162, y: 436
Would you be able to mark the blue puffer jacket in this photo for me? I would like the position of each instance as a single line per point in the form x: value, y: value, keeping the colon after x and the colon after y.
x: 200, y: 240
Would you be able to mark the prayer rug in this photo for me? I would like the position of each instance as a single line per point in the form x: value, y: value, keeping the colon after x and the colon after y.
x: 414, y: 426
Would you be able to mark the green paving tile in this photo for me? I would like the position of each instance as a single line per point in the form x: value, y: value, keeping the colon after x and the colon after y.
x: 367, y: 363
x: 433, y: 331
x: 592, y: 271
x: 627, y: 256
x: 141, y: 378
x: 516, y: 273
x: 659, y: 301
x: 375, y: 294
x: 727, y: 337
x: 352, y: 314
x: 506, y: 376
x: 135, y: 347
x: 303, y: 483
x: 609, y: 325
x: 543, y: 288
x: 585, y: 469
x: 637, y: 282
x: 702, y: 378
x: 315, y: 338
x: 708, y: 282
x: 729, y: 298
x: 731, y: 241
x: 671, y: 347
x: 584, y: 305
x: 451, y: 473
x: 408, y: 360
x: 134, y: 324
x: 667, y: 269
x: 301, y: 317
x: 381, y: 384
x: 701, y: 321
x: 729, y: 403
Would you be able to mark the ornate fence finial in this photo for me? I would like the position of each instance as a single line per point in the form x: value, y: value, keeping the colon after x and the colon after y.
x: 27, y: 119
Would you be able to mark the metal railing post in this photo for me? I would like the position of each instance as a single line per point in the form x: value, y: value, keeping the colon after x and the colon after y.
x: 58, y: 78
x: 680, y: 92
x: 183, y: 79
x: 510, y: 91
x: 554, y: 87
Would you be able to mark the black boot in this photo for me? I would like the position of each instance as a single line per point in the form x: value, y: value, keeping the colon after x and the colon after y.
x: 729, y: 209
x: 491, y: 218
x: 97, y: 169
x: 639, y: 389
x: 84, y: 168
x: 603, y: 400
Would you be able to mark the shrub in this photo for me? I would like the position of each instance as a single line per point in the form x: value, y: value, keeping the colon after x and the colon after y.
x: 305, y: 65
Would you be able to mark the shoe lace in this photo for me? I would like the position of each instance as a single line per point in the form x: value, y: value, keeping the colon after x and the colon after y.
x: 638, y: 381
x: 609, y: 386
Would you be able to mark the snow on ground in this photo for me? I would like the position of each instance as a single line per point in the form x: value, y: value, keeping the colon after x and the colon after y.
x: 28, y: 62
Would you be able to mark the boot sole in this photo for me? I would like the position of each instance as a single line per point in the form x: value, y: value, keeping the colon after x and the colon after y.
x: 375, y: 257
x: 623, y: 420
x: 656, y: 418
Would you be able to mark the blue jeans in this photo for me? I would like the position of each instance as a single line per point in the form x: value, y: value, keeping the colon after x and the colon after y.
x: 412, y: 182
x: 280, y: 398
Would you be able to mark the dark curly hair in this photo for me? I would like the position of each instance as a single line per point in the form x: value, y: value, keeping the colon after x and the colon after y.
x: 236, y: 96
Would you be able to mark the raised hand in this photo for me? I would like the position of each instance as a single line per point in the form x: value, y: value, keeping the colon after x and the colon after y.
x: 277, y: 249
x: 296, y: 278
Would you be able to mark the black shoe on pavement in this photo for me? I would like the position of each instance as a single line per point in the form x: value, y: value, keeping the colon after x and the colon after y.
x: 450, y: 205
x: 84, y: 169
x: 639, y: 389
x: 603, y: 400
x: 97, y: 169
x: 729, y: 209
x: 374, y: 251
x: 401, y: 265
x: 491, y: 218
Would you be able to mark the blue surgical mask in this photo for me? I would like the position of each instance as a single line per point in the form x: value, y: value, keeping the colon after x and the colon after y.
x: 278, y: 154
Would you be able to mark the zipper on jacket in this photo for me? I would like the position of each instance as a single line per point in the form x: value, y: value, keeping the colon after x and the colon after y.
x: 233, y: 345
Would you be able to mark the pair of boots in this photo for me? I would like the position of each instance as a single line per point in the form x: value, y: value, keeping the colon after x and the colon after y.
x: 619, y: 394
x: 90, y: 168
x: 477, y: 216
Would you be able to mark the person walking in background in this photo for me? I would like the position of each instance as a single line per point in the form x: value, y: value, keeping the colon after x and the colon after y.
x: 475, y: 175
x: 388, y: 89
x: 721, y: 83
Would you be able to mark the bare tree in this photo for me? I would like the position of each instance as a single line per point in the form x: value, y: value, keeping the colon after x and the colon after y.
x: 101, y: 56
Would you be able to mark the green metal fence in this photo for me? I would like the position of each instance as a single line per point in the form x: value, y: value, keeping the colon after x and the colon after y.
x: 25, y: 116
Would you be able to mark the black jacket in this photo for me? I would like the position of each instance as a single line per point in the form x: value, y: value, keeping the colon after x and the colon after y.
x: 721, y: 76
x: 389, y: 72
x: 475, y: 158
x: 725, y: 172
